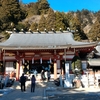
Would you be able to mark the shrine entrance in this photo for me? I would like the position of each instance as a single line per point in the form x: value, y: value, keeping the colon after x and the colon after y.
x: 29, y: 66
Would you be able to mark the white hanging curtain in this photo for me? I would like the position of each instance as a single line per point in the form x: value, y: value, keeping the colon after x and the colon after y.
x: 50, y: 60
x: 40, y: 60
x: 32, y: 60
x: 23, y: 60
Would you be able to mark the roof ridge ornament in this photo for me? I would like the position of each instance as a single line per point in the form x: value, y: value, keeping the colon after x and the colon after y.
x: 53, y: 30
x: 38, y: 30
x: 14, y: 30
x: 68, y: 29
x: 61, y: 30
x: 22, y: 30
x: 45, y: 30
x: 30, y: 31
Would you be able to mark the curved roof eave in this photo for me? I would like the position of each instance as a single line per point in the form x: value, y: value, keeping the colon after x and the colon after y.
x: 50, y: 47
x: 41, y: 41
x: 84, y: 45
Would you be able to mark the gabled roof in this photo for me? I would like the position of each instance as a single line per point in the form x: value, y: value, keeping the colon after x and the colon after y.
x: 50, y: 40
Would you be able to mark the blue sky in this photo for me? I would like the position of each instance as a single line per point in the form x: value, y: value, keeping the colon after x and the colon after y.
x: 71, y: 5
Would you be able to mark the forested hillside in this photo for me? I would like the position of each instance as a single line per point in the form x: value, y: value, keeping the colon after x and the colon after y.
x: 84, y: 24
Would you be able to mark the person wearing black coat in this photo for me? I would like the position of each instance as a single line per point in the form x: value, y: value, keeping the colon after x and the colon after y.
x: 22, y: 81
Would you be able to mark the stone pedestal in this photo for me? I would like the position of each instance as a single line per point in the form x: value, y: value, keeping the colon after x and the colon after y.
x: 68, y: 77
x: 67, y: 84
x: 68, y: 81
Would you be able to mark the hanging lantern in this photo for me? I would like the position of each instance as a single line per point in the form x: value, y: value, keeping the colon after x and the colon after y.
x: 40, y: 60
x: 32, y: 60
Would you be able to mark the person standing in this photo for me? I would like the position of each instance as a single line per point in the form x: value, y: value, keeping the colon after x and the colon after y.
x: 42, y: 75
x: 23, y: 81
x: 33, y: 79
x: 35, y: 72
x: 48, y: 74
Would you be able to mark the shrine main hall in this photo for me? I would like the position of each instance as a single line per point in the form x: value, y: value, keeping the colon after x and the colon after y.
x: 25, y: 51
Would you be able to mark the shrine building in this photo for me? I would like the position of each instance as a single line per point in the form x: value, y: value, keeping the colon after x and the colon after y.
x: 25, y: 51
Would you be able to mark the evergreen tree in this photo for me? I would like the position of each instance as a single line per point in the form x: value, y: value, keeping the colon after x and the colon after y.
x: 75, y: 26
x: 59, y: 21
x: 43, y: 6
x: 42, y: 23
x: 51, y: 18
x: 20, y: 26
x: 76, y: 63
x: 10, y: 12
x: 12, y: 9
x: 74, y: 23
x: 34, y: 26
x: 65, y: 20
x: 32, y: 9
x: 68, y: 17
x: 94, y: 33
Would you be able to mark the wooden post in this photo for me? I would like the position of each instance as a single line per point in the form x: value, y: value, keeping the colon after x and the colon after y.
x: 55, y: 70
x: 62, y: 68
x: 17, y: 70
x: 55, y: 65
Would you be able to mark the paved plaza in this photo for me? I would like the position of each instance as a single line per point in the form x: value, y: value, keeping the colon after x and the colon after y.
x: 48, y: 91
x: 73, y: 94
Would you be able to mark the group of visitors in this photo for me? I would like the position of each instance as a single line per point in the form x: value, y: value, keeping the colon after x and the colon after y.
x: 45, y: 75
x: 23, y: 81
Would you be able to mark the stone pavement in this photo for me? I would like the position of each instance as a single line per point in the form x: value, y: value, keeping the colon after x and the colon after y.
x: 48, y: 91
x: 14, y: 92
x: 73, y: 94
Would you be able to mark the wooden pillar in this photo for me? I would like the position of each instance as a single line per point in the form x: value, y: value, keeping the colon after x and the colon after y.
x: 62, y: 72
x: 55, y: 70
x: 17, y: 70
x: 62, y: 68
